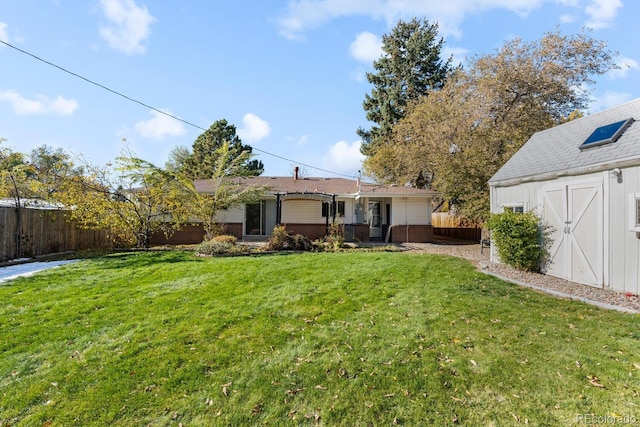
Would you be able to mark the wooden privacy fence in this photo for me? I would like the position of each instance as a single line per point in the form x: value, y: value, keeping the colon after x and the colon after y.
x: 447, y: 225
x: 44, y: 231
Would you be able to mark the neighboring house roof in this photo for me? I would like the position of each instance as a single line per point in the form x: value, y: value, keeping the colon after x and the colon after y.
x: 556, y: 151
x: 337, y: 186
x: 31, y: 204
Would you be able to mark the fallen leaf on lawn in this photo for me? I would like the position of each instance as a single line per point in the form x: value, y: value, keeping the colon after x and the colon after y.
x: 578, y: 364
x: 257, y: 409
x: 455, y: 399
x: 594, y: 382
x: 473, y: 362
x: 320, y: 387
x: 571, y: 326
x: 225, y: 389
x: 515, y: 417
x: 389, y: 395
x: 636, y: 365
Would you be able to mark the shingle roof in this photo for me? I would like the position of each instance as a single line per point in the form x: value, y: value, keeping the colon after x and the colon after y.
x: 337, y: 186
x: 557, y: 149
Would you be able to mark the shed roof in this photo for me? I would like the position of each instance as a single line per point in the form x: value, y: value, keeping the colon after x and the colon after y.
x: 556, y: 151
x: 337, y: 186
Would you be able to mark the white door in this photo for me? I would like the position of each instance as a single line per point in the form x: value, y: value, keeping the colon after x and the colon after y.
x: 575, y: 213
x: 375, y: 220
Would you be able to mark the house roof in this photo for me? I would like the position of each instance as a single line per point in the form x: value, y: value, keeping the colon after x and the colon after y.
x: 556, y: 151
x: 337, y: 186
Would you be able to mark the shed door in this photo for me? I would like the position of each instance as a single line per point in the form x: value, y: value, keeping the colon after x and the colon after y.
x: 576, y: 213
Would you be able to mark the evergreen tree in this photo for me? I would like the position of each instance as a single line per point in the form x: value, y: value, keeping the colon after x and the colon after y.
x: 410, y: 67
x: 201, y: 163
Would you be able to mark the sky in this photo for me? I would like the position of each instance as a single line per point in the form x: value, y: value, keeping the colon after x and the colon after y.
x: 290, y: 75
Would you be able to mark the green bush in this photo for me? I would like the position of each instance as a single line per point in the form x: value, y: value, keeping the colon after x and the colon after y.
x: 213, y: 247
x: 280, y: 240
x: 226, y: 238
x: 521, y: 239
x: 220, y: 245
x: 335, y: 239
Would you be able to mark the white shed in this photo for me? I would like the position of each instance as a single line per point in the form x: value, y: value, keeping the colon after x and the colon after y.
x: 583, y: 178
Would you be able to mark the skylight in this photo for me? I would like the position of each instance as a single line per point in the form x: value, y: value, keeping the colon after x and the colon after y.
x: 606, y: 134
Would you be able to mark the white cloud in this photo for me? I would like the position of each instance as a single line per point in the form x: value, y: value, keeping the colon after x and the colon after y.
x: 40, y: 105
x: 625, y: 64
x: 302, y: 15
x: 253, y: 128
x: 158, y: 126
x: 458, y: 54
x: 344, y: 157
x: 4, y: 35
x: 602, y: 13
x: 608, y: 100
x: 567, y: 18
x: 359, y: 75
x: 367, y: 47
x: 128, y: 25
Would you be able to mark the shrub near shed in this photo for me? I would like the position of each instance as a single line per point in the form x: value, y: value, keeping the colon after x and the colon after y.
x: 521, y: 239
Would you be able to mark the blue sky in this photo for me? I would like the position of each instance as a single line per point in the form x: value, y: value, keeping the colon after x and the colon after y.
x: 288, y: 74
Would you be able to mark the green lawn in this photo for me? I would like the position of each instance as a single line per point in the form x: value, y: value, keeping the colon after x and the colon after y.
x: 363, y: 338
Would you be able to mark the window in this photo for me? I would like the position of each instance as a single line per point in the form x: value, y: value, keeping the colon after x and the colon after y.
x: 514, y: 207
x: 606, y: 134
x: 328, y: 212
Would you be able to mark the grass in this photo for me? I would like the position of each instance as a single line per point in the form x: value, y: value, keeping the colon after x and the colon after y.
x: 334, y: 339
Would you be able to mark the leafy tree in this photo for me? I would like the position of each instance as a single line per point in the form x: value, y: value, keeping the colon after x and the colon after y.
x: 462, y: 134
x: 177, y: 158
x: 51, y: 167
x: 410, y: 67
x: 16, y: 183
x: 201, y: 163
x: 228, y: 190
x: 134, y: 200
x: 16, y: 176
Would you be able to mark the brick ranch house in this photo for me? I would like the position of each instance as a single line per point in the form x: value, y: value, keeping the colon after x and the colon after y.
x: 368, y: 212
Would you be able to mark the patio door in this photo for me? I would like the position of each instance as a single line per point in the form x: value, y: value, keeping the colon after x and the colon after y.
x: 375, y: 220
x: 260, y: 218
x: 575, y: 213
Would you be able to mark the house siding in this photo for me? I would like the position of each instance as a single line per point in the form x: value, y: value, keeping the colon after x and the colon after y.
x: 624, y: 253
x: 302, y: 212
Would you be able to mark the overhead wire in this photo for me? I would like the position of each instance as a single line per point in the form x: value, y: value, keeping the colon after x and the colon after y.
x: 115, y: 92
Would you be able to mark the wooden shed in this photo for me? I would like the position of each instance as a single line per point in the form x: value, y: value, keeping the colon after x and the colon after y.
x: 583, y: 179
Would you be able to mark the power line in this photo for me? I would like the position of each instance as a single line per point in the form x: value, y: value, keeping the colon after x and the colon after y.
x: 128, y: 98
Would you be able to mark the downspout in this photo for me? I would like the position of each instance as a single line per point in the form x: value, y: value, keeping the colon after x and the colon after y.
x: 278, y: 209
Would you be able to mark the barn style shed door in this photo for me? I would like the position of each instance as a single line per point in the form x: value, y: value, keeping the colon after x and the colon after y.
x: 575, y: 212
